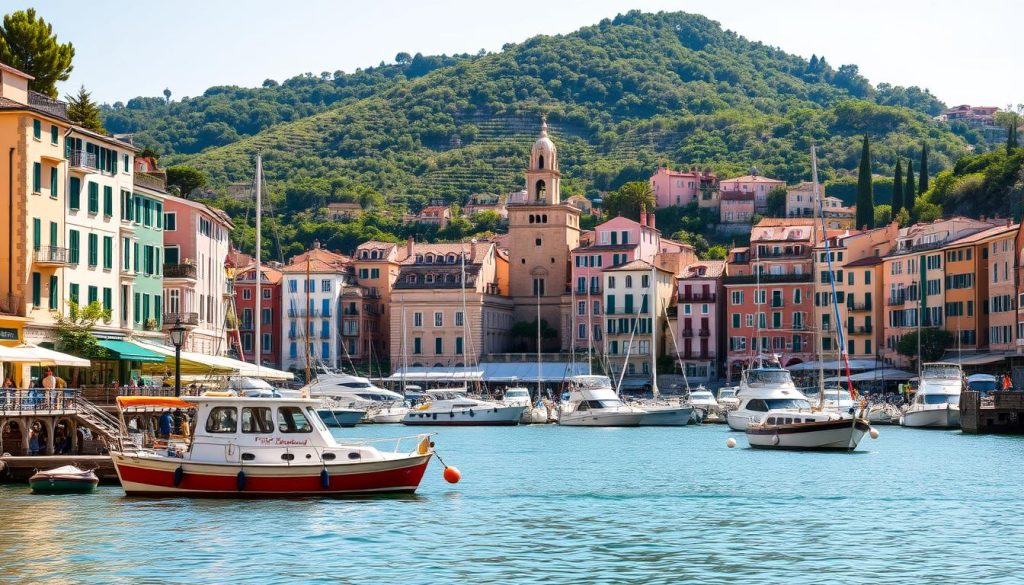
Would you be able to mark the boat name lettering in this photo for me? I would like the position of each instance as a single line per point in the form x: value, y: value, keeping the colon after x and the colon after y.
x: 280, y: 441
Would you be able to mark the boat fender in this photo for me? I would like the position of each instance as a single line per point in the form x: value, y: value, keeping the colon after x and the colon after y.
x: 495, y: 409
x: 179, y: 474
x: 240, y: 480
x: 325, y: 479
x: 775, y: 439
x: 451, y: 414
x: 471, y: 412
x: 435, y: 416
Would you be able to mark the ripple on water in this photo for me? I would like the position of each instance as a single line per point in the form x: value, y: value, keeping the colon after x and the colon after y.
x: 559, y: 505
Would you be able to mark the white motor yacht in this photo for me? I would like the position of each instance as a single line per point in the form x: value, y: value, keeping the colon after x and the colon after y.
x: 766, y: 386
x: 593, y: 403
x: 520, y: 396
x: 937, y: 402
x: 727, y: 398
x: 663, y: 412
x: 350, y: 390
x: 454, y: 408
x: 838, y: 400
x: 705, y: 405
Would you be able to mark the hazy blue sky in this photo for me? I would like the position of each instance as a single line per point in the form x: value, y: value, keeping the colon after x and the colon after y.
x: 965, y: 52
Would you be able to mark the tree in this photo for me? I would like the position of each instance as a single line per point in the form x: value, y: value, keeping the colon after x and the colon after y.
x: 487, y: 220
x: 922, y: 184
x: 903, y: 217
x: 28, y: 43
x: 403, y: 58
x: 84, y: 112
x: 934, y: 343
x: 883, y: 215
x: 909, y: 194
x: 74, y: 331
x: 897, y: 188
x: 865, y: 192
x: 776, y: 202
x: 167, y: 94
x: 698, y: 241
x: 526, y: 331
x: 716, y: 253
x: 629, y: 200
x: 185, y: 179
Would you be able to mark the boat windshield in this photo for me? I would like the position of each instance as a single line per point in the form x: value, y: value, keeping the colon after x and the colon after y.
x: 780, y: 403
x: 355, y: 385
x: 726, y: 393
x: 516, y: 393
x: 701, y: 396
x: 610, y: 403
x: 982, y: 385
x: 941, y: 371
x: 591, y: 382
x: 769, y: 377
x: 940, y: 399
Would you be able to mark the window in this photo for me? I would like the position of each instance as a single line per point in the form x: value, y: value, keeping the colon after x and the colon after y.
x: 92, y: 294
x: 438, y: 346
x: 538, y: 287
x: 459, y: 319
x: 108, y: 252
x: 736, y: 297
x: 75, y: 193
x: 53, y: 182
x: 73, y: 292
x: 257, y: 419
x: 867, y: 277
x: 108, y: 298
x: 53, y: 134
x: 265, y: 292
x: 417, y: 345
x: 325, y: 285
x: 417, y: 319
x: 171, y: 221
x: 325, y: 350
x: 54, y: 292
x: 246, y: 294
x: 108, y: 201
x: 93, y: 249
x: 293, y: 285
x: 37, y: 129
x: 94, y: 197
x: 735, y: 320
x: 438, y: 319
x: 290, y: 419
x: 265, y: 316
x: 37, y: 177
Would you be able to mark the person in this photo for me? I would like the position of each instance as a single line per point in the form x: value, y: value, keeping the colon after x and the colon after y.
x: 8, y: 382
x: 131, y: 382
x: 33, y: 439
x: 185, y: 430
x: 49, y: 381
x: 1007, y: 382
x: 61, y: 383
x: 164, y: 425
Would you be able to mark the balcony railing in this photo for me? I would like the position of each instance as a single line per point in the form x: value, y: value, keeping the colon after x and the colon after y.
x: 82, y: 160
x: 897, y: 301
x: 51, y: 255
x: 347, y: 311
x: 693, y: 297
x: 180, y: 271
x: 306, y: 313
x: 863, y: 329
x: 687, y: 333
x: 11, y: 304
x: 187, y: 319
x: 768, y: 278
x: 704, y: 333
x: 858, y: 306
x: 47, y: 104
x: 151, y: 181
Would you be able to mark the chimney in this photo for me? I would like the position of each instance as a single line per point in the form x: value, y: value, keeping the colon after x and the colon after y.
x: 650, y: 220
x: 409, y: 245
x: 643, y: 218
x: 316, y: 244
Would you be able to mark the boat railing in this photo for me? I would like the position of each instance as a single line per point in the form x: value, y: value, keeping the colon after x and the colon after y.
x: 397, y: 441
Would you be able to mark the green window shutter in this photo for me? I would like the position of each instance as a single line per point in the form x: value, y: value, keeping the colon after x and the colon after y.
x: 37, y: 228
x: 75, y: 193
x: 54, y: 290
x: 138, y: 308
x: 37, y: 129
x: 126, y: 244
x: 54, y: 191
x: 37, y: 177
x: 94, y: 294
x: 53, y: 234
x: 113, y: 162
x: 94, y: 197
x: 108, y: 201
x: 108, y: 252
x: 108, y: 299
x: 53, y: 134
x: 93, y: 252
x: 157, y: 313
x: 73, y: 293
x: 157, y: 266
x: 145, y: 307
x: 73, y: 247
x: 35, y: 289
x: 159, y: 215
x: 135, y: 255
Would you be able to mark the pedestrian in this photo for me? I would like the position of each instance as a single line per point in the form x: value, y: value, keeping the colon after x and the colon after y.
x: 164, y: 425
x: 61, y: 383
x: 8, y: 382
x: 33, y: 439
x: 49, y: 381
x: 185, y: 430
x: 1007, y: 382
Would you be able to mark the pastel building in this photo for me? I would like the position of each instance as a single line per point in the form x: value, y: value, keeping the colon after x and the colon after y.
x: 377, y: 265
x: 33, y: 248
x: 313, y: 283
x: 637, y: 295
x: 736, y: 207
x: 800, y: 202
x: 674, y: 188
x: 754, y: 184
x: 700, y: 314
x: 141, y: 255
x: 196, y: 248
x: 265, y: 306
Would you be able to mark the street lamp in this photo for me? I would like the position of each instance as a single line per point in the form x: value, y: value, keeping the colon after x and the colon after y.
x: 177, y: 334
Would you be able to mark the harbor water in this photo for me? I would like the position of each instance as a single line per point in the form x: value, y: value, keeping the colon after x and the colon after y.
x: 570, y: 505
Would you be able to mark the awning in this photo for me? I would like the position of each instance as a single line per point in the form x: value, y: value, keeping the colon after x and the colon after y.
x: 978, y: 359
x: 527, y: 372
x: 54, y: 358
x: 884, y: 375
x: 128, y: 351
x: 437, y: 374
x: 194, y: 363
x: 160, y: 401
x: 834, y: 365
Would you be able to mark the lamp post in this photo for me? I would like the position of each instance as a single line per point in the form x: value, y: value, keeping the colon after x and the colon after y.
x: 177, y: 334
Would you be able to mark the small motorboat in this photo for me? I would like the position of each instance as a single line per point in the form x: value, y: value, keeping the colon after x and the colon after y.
x: 66, y: 479
x: 334, y: 415
x: 788, y: 429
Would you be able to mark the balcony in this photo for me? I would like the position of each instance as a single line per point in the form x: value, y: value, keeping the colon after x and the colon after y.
x: 768, y: 278
x: 686, y: 333
x: 858, y: 307
x: 347, y: 311
x: 897, y: 301
x: 11, y: 304
x: 307, y: 313
x: 51, y: 256
x: 697, y: 297
x: 704, y: 333
x: 187, y: 319
x: 186, y: 271
x: 863, y: 329
x: 156, y: 182
x: 81, y: 159
x: 798, y: 327
x: 47, y: 104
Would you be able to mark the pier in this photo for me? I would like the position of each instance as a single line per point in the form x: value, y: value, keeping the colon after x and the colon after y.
x: 18, y: 469
x: 999, y: 413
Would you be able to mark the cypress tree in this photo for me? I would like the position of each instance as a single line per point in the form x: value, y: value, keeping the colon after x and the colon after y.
x: 865, y: 192
x: 897, y: 188
x: 922, y: 179
x: 908, y: 192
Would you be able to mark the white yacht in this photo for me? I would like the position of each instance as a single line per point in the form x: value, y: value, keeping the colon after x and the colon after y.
x: 351, y: 390
x: 662, y: 412
x: 820, y: 429
x: 454, y: 408
x: 766, y: 386
x: 520, y: 396
x: 705, y: 405
x: 838, y: 400
x: 937, y: 402
x: 593, y: 403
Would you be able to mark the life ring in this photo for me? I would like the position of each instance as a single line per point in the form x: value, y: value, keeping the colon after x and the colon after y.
x: 423, y: 406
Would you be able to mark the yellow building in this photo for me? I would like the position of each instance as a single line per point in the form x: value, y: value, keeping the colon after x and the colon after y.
x: 34, y: 171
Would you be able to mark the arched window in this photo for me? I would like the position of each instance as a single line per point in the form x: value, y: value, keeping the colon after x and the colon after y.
x: 540, y: 162
x: 364, y: 254
x: 452, y: 258
x: 430, y: 258
x: 544, y: 218
x: 541, y: 189
x: 629, y: 281
x: 374, y: 255
x: 531, y: 218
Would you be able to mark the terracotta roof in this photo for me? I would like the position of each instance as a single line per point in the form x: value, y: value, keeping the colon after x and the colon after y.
x: 634, y: 265
x: 984, y: 234
x: 607, y: 248
x: 712, y: 269
x: 869, y: 261
x: 273, y: 275
x: 785, y: 221
x: 474, y: 254
x: 737, y: 196
x: 753, y: 179
x: 320, y: 261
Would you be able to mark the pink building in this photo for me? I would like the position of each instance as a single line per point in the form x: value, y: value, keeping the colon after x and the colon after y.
x: 700, y: 313
x: 682, y: 188
x: 195, y: 283
x: 736, y: 207
x: 615, y: 242
x: 753, y: 183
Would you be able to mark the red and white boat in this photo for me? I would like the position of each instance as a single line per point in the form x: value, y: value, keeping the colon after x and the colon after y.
x: 259, y: 447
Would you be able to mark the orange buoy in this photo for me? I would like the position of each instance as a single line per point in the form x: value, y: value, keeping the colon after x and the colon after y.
x: 452, y: 474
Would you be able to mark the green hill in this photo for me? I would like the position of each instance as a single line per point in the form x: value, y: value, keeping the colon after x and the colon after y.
x: 622, y: 97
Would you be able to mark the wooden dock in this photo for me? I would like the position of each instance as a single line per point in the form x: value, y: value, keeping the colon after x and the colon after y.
x: 1001, y: 413
x: 19, y: 469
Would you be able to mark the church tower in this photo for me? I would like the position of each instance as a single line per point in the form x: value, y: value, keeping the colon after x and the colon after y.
x: 542, y: 231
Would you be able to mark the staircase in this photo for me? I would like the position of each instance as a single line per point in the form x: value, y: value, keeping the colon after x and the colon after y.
x: 98, y: 419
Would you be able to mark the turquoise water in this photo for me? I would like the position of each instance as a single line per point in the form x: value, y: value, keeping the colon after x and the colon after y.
x: 570, y: 505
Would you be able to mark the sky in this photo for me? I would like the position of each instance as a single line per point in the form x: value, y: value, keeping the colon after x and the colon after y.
x: 964, y: 52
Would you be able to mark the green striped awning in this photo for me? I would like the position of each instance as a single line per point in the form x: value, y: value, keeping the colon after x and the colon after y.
x: 128, y: 351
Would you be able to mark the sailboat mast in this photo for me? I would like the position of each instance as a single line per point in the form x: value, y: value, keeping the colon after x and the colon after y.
x: 590, y: 330
x: 405, y: 352
x: 652, y: 291
x: 465, y: 315
x: 258, y: 350
x: 539, y: 383
x: 306, y: 336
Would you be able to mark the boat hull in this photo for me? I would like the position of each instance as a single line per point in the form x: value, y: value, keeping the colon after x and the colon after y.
x: 62, y: 486
x: 666, y: 416
x: 843, y: 435
x: 597, y: 419
x: 389, y: 416
x: 946, y: 417
x: 534, y: 416
x: 158, y: 476
x: 496, y: 416
x: 340, y: 417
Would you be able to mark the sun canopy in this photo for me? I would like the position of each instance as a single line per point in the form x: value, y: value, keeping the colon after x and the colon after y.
x: 979, y: 359
x: 437, y: 374
x: 834, y: 365
x: 158, y: 401
x: 193, y: 363
x: 33, y: 354
x: 884, y: 375
x: 527, y: 372
x: 128, y: 351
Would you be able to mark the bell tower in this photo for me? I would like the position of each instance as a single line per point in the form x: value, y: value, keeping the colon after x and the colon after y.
x: 542, y: 232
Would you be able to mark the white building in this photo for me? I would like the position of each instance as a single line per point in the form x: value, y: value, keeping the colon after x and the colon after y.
x: 312, y: 287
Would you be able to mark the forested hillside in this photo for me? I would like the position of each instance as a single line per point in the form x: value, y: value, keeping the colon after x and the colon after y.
x: 622, y: 97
